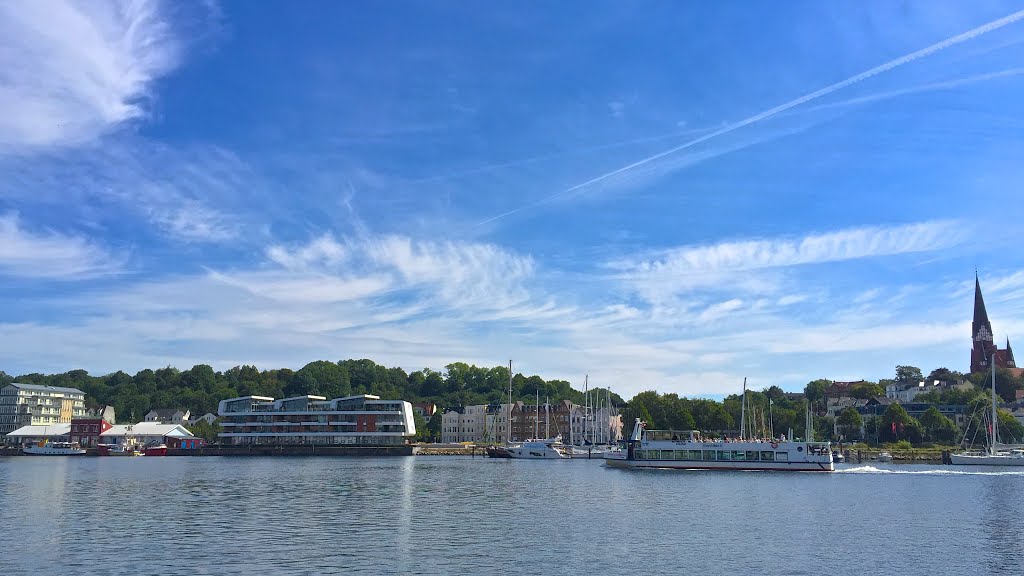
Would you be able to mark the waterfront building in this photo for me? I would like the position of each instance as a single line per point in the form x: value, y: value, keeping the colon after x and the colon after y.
x: 35, y: 433
x: 486, y: 423
x: 363, y: 420
x: 168, y: 416
x: 86, y: 430
x: 33, y: 404
x: 983, y: 345
x: 144, y: 433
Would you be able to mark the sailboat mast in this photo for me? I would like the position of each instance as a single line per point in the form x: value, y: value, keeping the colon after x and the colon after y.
x: 547, y: 417
x: 508, y: 436
x: 536, y: 419
x: 743, y: 411
x: 995, y: 421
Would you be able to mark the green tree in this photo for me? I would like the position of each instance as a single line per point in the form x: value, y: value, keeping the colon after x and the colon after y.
x: 422, y: 434
x: 205, y: 430
x: 908, y: 375
x: 865, y: 390
x: 815, y: 391
x: 434, y: 427
x: 897, y: 425
x: 849, y: 423
x: 1010, y: 430
x: 936, y: 427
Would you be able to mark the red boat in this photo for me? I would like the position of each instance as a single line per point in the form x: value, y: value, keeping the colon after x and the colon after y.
x: 159, y: 450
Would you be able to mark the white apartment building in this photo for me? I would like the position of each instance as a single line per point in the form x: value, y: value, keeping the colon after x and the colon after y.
x: 32, y: 404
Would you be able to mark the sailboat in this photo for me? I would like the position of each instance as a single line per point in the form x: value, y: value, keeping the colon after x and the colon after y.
x: 537, y: 449
x: 994, y: 455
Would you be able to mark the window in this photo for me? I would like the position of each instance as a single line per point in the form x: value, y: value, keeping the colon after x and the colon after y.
x: 782, y: 456
x: 767, y: 456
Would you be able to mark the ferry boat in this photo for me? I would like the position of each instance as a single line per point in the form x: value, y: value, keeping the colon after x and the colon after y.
x: 54, y: 449
x: 689, y: 451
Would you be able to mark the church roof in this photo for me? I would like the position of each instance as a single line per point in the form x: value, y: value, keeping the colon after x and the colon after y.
x: 980, y: 314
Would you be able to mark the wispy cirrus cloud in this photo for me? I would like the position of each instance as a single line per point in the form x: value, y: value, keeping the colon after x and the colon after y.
x: 71, y: 71
x: 28, y: 254
x: 746, y: 255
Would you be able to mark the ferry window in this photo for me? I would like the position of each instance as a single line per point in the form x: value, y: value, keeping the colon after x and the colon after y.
x: 711, y: 455
x: 693, y: 455
x: 782, y: 456
x: 751, y: 455
x: 767, y: 456
x: 739, y: 455
x: 725, y: 455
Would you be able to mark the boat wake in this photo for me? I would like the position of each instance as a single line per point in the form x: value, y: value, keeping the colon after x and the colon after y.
x: 928, y: 472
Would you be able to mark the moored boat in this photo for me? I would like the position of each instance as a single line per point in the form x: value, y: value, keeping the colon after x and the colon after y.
x: 117, y: 450
x: 46, y: 448
x: 689, y: 451
x: 155, y: 450
x: 535, y: 449
x: 993, y: 455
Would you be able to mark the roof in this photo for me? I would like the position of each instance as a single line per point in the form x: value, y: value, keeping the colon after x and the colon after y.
x: 166, y: 412
x: 41, y: 388
x: 40, y: 430
x: 148, y: 429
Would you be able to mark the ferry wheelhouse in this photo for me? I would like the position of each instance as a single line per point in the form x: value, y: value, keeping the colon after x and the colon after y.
x: 363, y: 420
x: 688, y: 450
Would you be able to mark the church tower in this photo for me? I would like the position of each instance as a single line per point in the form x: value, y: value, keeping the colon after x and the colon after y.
x: 984, y: 346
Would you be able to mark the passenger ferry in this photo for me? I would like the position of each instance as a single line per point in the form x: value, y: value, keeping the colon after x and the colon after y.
x: 689, y: 451
x: 46, y: 448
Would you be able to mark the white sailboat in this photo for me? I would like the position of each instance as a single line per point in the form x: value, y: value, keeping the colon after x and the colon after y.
x: 993, y: 455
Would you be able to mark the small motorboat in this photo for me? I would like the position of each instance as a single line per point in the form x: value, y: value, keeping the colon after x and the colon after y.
x: 837, y: 456
x: 117, y: 450
x: 884, y: 457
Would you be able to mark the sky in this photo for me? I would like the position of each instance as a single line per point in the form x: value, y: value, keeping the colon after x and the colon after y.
x: 660, y: 195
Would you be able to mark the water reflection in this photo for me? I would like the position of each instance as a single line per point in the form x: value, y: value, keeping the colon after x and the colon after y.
x: 427, y: 515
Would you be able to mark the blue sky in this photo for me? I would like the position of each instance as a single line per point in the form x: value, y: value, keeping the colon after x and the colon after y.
x: 668, y: 196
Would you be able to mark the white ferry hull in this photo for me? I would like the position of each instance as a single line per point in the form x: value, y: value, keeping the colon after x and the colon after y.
x: 985, y: 460
x: 685, y: 465
x: 38, y: 451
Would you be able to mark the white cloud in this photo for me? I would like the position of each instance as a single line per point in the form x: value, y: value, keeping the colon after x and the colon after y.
x: 758, y: 266
x: 50, y: 254
x: 71, y: 71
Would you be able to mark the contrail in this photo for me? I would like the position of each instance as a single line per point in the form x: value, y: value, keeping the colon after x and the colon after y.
x: 958, y: 39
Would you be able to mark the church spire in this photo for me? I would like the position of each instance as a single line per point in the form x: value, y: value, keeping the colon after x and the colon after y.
x: 981, y: 327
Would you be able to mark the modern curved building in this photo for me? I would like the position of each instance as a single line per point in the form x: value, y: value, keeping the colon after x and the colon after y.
x: 363, y: 420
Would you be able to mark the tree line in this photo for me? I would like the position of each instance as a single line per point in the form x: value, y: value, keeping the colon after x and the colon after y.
x: 771, y: 411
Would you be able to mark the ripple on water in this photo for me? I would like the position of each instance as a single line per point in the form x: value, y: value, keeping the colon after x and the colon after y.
x: 429, y: 515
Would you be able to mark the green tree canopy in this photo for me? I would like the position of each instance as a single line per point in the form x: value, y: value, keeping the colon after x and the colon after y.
x: 815, y: 390
x: 897, y: 425
x: 908, y: 375
x: 849, y: 423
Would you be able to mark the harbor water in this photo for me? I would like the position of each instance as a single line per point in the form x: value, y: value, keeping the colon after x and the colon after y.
x: 460, y: 515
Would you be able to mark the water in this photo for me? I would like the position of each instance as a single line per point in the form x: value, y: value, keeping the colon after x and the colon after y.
x: 458, y: 515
